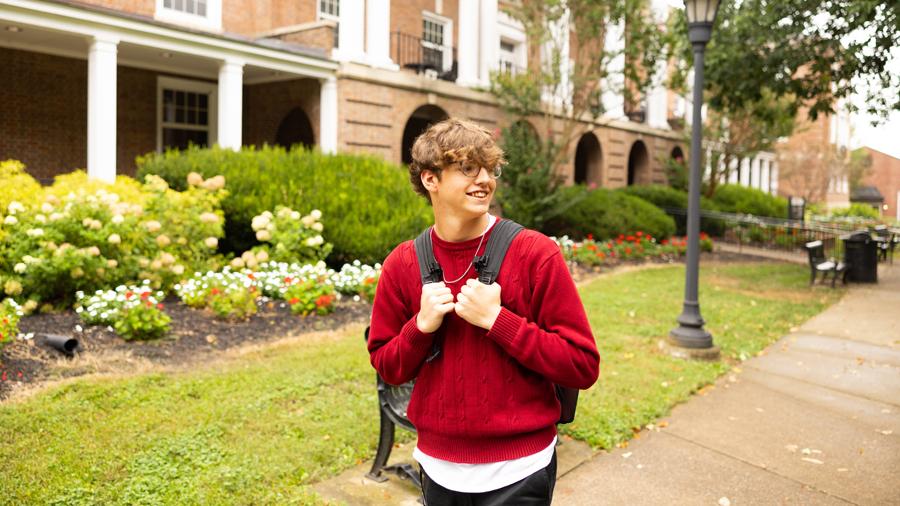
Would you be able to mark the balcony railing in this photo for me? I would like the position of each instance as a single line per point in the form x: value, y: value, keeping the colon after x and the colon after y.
x: 423, y: 57
x: 510, y: 68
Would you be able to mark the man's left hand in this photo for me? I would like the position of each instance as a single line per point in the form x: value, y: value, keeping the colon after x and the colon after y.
x: 478, y: 303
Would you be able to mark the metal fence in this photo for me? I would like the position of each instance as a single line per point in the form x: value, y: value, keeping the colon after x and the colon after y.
x: 771, y: 233
x: 423, y: 57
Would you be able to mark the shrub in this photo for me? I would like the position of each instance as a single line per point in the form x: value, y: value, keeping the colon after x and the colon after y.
x: 90, y: 238
x: 732, y: 198
x: 367, y: 202
x: 229, y: 294
x: 311, y: 296
x: 10, y: 313
x: 856, y: 210
x: 607, y: 213
x: 294, y: 238
x: 17, y: 185
x: 665, y: 196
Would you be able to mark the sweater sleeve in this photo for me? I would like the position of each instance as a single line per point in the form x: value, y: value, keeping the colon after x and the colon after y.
x: 557, y: 341
x: 397, y: 348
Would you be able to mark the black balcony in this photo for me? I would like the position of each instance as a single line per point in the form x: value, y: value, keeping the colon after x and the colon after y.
x: 423, y: 57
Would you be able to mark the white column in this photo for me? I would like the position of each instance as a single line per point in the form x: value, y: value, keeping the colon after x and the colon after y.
x: 745, y: 172
x: 101, y: 127
x: 328, y: 116
x: 351, y: 28
x: 231, y: 107
x: 614, y: 84
x: 378, y: 34
x: 467, y: 47
x: 489, y: 41
x: 774, y: 176
x: 733, y: 176
x: 754, y: 173
x: 764, y: 174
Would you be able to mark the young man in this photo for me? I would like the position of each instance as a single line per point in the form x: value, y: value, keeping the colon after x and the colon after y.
x: 484, y: 407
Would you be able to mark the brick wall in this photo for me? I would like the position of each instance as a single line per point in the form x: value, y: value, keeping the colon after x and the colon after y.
x: 266, y: 105
x: 43, y: 112
x: 135, y: 116
x: 406, y: 17
x: 142, y: 7
x: 885, y: 175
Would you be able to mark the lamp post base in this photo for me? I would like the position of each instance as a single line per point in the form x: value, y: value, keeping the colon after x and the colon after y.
x: 689, y: 339
x: 671, y: 348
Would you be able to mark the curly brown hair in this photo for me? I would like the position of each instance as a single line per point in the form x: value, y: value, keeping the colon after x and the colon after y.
x: 452, y: 141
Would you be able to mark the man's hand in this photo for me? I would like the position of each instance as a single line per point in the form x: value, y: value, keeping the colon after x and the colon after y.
x: 435, y: 303
x: 478, y: 303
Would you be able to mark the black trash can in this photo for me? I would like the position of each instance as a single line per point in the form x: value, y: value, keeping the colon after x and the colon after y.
x: 861, y: 257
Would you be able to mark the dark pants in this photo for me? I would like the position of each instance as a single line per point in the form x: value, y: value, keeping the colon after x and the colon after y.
x: 533, y: 490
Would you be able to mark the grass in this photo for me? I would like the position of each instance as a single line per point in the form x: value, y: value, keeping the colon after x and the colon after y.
x: 262, y: 427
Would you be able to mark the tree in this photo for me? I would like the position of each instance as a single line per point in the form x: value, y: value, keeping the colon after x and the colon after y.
x: 808, y: 170
x: 859, y: 166
x: 562, y: 95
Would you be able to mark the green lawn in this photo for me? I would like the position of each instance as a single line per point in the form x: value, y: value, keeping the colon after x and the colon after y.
x: 260, y: 428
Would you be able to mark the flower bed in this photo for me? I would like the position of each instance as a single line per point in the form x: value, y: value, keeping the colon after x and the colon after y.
x: 638, y: 245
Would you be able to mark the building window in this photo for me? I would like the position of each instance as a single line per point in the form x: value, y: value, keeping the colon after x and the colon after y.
x: 186, y: 113
x: 508, y: 58
x: 206, y: 14
x: 436, y: 35
x: 331, y: 10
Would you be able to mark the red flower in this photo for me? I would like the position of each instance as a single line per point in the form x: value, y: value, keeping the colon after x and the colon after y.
x: 19, y: 375
x: 592, y: 247
x: 369, y: 281
x: 590, y: 237
x: 600, y: 254
x: 323, y: 300
x: 129, y: 294
x: 144, y: 295
x: 664, y: 242
x: 639, y: 233
x: 148, y: 303
x: 251, y: 276
x: 287, y: 279
x: 293, y: 301
x: 621, y: 236
x: 704, y: 236
x: 630, y: 238
x: 619, y: 241
x: 3, y: 376
x: 159, y: 306
x: 627, y: 250
x: 214, y: 291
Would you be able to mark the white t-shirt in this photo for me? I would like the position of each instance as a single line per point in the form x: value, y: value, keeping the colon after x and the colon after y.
x: 476, y: 478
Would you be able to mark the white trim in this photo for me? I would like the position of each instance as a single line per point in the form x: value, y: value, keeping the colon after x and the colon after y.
x: 467, y: 53
x: 212, y: 21
x: 70, y: 19
x: 174, y: 83
x: 101, y: 101
x: 447, y: 47
x: 328, y: 116
x: 231, y: 98
x: 511, y: 31
x: 325, y: 16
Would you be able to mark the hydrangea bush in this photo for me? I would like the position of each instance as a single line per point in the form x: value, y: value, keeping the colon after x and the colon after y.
x: 91, y: 238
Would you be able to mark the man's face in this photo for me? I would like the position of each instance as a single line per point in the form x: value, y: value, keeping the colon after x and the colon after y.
x: 459, y: 193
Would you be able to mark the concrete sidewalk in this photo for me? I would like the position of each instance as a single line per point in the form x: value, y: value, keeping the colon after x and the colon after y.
x: 815, y: 420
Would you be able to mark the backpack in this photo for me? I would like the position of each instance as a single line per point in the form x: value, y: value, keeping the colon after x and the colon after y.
x: 488, y: 266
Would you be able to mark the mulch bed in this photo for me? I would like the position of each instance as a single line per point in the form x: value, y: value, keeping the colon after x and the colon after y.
x: 195, y: 336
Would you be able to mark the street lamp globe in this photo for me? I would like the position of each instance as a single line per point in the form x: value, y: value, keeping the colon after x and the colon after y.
x: 701, y: 11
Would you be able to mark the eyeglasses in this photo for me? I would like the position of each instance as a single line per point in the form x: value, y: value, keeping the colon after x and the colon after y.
x: 472, y: 171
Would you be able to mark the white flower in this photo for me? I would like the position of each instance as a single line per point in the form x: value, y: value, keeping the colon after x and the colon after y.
x: 237, y: 263
x: 20, y: 267
x: 111, y: 263
x: 28, y: 259
x: 15, y: 207
x: 96, y: 225
x: 178, y: 269
x: 263, y: 235
x: 211, y: 242
x: 93, y: 251
x: 152, y: 226
x: 167, y: 259
x: 40, y: 218
x: 47, y: 207
x: 262, y: 256
x: 310, y: 241
x: 114, y: 239
x: 163, y: 240
x: 317, y: 227
x: 117, y: 219
x: 35, y: 232
x: 259, y: 222
x: 284, y: 212
x: 295, y: 215
x: 10, y: 220
x: 57, y: 216
x: 307, y: 220
x: 209, y: 217
x: 156, y: 265
x: 194, y: 179
x: 316, y: 214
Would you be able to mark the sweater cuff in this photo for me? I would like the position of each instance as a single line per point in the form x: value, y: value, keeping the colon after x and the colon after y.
x: 506, y: 327
x: 417, y: 339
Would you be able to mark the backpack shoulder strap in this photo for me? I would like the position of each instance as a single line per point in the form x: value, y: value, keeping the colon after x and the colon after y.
x: 429, y: 269
x: 488, y: 265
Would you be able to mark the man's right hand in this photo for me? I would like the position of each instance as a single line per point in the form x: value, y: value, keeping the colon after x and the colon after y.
x: 437, y: 300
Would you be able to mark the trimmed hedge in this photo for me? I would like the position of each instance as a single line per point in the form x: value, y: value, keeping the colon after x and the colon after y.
x: 666, y: 196
x: 366, y: 203
x: 732, y: 198
x: 608, y: 213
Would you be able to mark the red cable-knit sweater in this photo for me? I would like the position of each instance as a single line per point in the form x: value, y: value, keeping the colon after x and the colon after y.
x: 489, y: 395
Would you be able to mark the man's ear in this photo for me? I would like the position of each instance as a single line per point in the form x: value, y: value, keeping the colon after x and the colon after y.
x: 429, y: 180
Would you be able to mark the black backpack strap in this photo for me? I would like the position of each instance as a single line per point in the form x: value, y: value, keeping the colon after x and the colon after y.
x: 429, y: 269
x: 488, y: 265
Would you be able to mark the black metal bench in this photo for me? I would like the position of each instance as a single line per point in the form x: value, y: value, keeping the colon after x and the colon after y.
x: 818, y: 263
x: 392, y: 402
x: 886, y: 242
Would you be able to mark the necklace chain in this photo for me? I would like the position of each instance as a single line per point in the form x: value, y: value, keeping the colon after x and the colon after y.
x: 473, y: 257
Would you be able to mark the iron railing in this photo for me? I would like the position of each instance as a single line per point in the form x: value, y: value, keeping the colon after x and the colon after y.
x: 423, y: 57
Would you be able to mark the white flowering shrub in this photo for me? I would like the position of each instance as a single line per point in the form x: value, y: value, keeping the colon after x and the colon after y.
x: 134, y: 312
x: 357, y: 279
x: 290, y: 236
x: 229, y: 294
x: 84, y: 235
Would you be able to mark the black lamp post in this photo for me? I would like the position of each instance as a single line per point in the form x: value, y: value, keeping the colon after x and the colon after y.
x: 690, y: 339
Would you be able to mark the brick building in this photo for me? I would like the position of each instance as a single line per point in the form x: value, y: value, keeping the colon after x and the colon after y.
x: 95, y: 83
x: 884, y: 175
